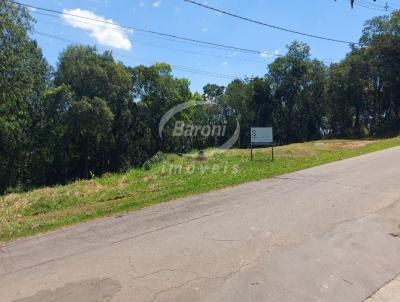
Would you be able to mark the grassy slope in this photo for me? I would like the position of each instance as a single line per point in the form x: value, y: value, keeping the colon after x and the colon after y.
x: 49, y: 208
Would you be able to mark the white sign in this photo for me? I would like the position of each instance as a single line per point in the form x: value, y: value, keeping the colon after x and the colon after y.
x: 262, y: 136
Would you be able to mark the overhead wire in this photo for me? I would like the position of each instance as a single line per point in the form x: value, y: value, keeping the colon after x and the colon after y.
x: 269, y: 25
x: 160, y: 46
x: 381, y: 4
x: 195, y: 41
x: 219, y: 45
x: 180, y: 68
x: 160, y: 35
x: 371, y: 6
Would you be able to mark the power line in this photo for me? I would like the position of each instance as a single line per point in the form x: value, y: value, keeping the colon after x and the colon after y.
x: 269, y: 25
x: 185, y: 69
x: 118, y: 28
x: 369, y: 3
x: 169, y: 37
x: 161, y: 46
x: 372, y: 6
x: 180, y: 68
x: 205, y: 43
x: 160, y: 34
x: 381, y: 4
x: 368, y: 7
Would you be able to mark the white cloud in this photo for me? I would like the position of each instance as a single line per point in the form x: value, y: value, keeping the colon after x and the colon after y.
x: 225, y: 63
x: 205, y: 29
x: 108, y: 34
x: 268, y: 54
x: 142, y: 4
x: 157, y: 4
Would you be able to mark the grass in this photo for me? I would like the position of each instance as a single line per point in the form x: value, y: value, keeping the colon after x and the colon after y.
x: 173, y: 177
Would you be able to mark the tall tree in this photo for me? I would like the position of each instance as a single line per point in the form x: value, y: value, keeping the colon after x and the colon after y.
x: 90, y: 74
x: 157, y: 91
x: 23, y: 77
x: 50, y: 160
x: 364, y: 88
x: 238, y: 100
x: 90, y: 123
x: 298, y: 86
x: 381, y: 40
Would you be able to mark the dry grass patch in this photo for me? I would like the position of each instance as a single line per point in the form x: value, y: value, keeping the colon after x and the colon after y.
x: 358, y: 144
x: 344, y: 144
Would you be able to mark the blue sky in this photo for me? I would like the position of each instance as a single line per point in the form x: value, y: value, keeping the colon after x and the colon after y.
x: 320, y: 17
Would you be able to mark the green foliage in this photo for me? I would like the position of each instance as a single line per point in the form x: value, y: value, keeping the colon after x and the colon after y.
x: 90, y: 123
x: 239, y: 97
x: 157, y: 92
x: 49, y: 145
x: 364, y: 89
x: 213, y: 92
x: 298, y: 89
x: 23, y: 79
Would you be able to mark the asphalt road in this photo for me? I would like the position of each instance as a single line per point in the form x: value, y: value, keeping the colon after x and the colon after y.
x: 322, y: 234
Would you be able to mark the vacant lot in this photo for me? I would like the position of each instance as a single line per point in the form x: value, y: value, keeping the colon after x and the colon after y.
x: 165, y: 178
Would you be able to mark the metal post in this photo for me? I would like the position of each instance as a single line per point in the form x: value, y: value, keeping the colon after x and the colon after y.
x: 251, y: 152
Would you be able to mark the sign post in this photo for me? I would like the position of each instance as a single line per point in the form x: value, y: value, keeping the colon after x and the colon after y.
x: 262, y: 137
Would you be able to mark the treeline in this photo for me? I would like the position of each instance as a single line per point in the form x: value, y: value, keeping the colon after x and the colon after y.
x: 91, y: 114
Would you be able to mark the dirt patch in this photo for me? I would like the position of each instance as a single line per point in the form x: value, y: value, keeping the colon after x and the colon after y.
x: 355, y: 145
x: 344, y: 144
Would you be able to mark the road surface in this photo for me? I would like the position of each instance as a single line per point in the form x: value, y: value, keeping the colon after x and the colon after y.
x: 329, y: 233
x: 389, y: 293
